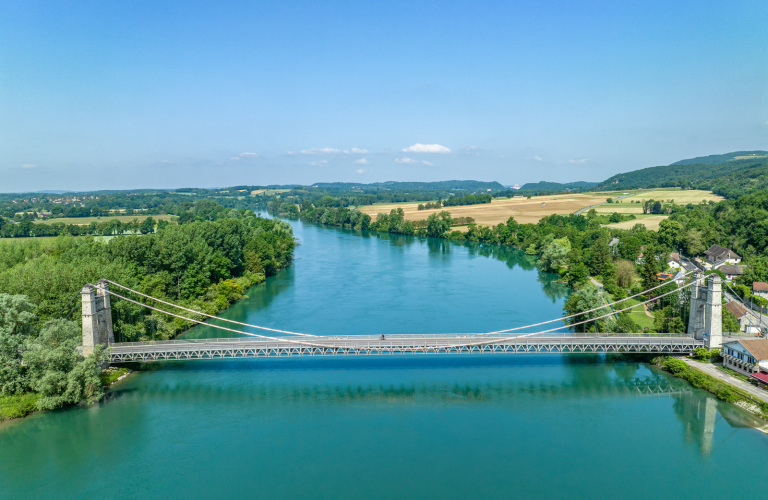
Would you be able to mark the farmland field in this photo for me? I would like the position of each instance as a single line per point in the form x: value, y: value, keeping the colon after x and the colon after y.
x: 500, y: 209
x: 84, y: 221
x: 679, y: 196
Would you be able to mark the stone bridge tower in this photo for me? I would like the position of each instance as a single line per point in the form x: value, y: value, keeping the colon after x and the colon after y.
x: 705, y: 320
x: 97, y: 317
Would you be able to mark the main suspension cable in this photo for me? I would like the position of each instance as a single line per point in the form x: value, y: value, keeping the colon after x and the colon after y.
x: 208, y: 315
x: 276, y: 339
x: 582, y: 312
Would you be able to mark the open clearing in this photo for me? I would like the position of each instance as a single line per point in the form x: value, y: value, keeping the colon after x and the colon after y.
x: 500, y: 209
x: 84, y: 221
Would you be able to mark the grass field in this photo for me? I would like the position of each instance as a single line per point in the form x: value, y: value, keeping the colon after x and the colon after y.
x: 638, y: 314
x: 500, y: 209
x: 84, y: 221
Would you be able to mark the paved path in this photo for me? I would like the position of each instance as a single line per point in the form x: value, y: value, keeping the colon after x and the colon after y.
x: 711, y: 369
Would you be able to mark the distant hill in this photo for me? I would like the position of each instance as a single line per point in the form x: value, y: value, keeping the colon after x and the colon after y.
x: 420, y: 186
x: 557, y: 186
x: 718, y: 159
x: 729, y: 175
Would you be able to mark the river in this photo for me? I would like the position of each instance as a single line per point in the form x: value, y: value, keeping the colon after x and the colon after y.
x: 480, y: 426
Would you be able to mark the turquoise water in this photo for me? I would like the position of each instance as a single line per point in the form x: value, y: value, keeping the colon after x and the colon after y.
x: 485, y: 426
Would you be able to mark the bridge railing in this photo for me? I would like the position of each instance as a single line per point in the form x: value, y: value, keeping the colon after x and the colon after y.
x: 404, y: 340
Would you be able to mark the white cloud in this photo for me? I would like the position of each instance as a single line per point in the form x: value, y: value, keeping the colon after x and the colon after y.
x: 577, y: 161
x: 360, y: 171
x: 537, y: 158
x: 319, y: 163
x: 325, y: 151
x: 234, y: 158
x: 425, y: 162
x: 426, y: 148
x: 362, y: 161
x: 404, y: 160
x: 249, y: 155
x: 29, y: 165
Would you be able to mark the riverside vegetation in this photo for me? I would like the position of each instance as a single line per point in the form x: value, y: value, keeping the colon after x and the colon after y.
x: 202, y: 264
x: 577, y: 248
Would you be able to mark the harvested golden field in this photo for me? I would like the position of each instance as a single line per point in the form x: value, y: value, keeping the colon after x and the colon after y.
x: 650, y: 222
x: 499, y: 210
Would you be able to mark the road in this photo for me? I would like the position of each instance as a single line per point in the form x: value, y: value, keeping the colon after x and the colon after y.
x: 711, y: 369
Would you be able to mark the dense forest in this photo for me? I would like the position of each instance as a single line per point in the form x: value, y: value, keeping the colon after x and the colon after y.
x: 730, y: 175
x: 206, y: 262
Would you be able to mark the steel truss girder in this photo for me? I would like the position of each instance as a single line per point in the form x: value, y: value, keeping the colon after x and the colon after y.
x: 165, y: 352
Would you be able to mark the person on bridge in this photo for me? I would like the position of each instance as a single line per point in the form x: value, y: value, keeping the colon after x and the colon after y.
x: 382, y: 337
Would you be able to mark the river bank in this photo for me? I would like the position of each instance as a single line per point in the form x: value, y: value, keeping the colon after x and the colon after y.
x: 723, y: 389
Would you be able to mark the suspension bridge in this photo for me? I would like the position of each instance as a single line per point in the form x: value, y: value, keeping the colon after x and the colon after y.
x: 551, y: 336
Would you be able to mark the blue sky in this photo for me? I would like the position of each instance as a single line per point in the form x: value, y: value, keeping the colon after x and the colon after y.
x: 120, y: 95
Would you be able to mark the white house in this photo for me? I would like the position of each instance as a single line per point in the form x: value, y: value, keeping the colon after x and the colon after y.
x: 674, y: 261
x: 717, y: 255
x: 731, y: 271
x: 746, y: 356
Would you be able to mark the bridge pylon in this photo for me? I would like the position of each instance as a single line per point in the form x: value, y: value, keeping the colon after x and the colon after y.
x: 706, y: 316
x: 97, y: 317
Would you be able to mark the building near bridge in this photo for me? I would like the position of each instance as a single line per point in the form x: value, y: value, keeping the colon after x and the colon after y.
x: 731, y: 271
x: 674, y: 261
x: 747, y: 322
x: 717, y: 256
x: 760, y: 289
x: 749, y: 356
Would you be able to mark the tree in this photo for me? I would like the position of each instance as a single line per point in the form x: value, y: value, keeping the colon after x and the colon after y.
x: 554, y: 255
x: 609, y: 276
x: 625, y: 273
x: 148, y: 226
x: 582, y: 300
x: 57, y: 371
x: 648, y: 270
x: 729, y: 322
x: 692, y: 242
x: 656, y: 208
x: 670, y: 233
x: 578, y: 275
x: 16, y: 324
x: 600, y: 256
x: 439, y: 224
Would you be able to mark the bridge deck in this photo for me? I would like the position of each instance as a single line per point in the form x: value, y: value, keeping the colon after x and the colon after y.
x: 244, y: 347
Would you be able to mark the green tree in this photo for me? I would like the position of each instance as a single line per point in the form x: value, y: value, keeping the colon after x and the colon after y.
x: 729, y: 322
x: 582, y: 300
x: 439, y: 224
x: 670, y: 233
x: 600, y: 256
x: 554, y: 255
x: 578, y: 275
x: 648, y: 270
x: 16, y: 325
x: 147, y: 226
x: 692, y: 242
